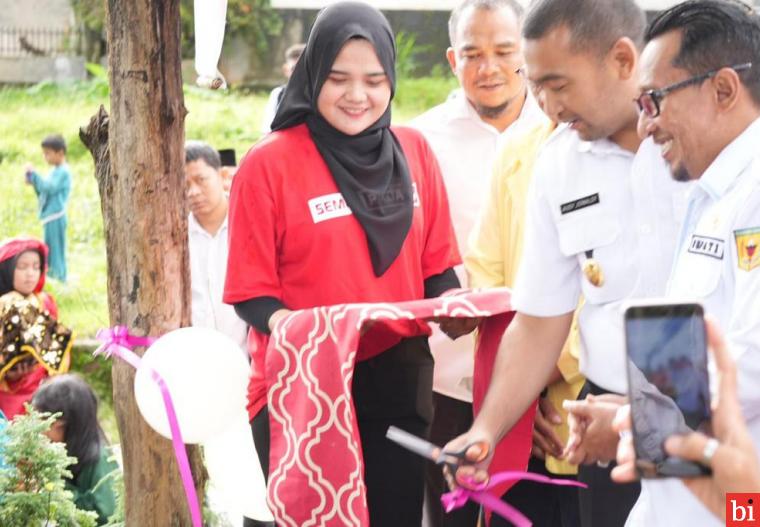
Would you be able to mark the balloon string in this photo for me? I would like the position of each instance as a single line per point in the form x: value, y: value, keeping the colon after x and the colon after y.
x: 117, y: 341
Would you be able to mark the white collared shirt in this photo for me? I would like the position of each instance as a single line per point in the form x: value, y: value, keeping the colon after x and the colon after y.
x: 723, y: 217
x: 208, y: 268
x: 466, y: 148
x: 597, y: 200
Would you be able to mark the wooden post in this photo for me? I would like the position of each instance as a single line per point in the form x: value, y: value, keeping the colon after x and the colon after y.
x: 139, y: 157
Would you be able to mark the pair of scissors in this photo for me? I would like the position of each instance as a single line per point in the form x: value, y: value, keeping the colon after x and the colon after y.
x: 426, y: 449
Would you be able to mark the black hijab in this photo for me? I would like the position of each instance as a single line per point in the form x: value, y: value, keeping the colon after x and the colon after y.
x: 369, y: 168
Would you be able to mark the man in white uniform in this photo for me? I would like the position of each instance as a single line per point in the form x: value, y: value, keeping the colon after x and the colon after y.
x: 704, y: 55
x: 592, y: 180
x: 466, y: 133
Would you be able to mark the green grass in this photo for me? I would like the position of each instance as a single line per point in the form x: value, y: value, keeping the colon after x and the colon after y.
x: 27, y: 115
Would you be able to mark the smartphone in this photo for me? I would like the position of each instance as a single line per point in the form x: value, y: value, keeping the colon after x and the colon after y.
x: 668, y: 382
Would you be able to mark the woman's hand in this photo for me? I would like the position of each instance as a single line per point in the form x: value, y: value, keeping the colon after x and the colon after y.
x: 276, y: 317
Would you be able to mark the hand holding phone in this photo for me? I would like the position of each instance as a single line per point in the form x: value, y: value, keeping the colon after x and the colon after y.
x: 668, y: 381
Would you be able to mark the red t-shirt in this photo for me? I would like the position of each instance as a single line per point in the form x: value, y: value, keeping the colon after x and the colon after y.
x: 292, y: 237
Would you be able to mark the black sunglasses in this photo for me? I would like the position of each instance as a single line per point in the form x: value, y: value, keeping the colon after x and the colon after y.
x: 649, y: 101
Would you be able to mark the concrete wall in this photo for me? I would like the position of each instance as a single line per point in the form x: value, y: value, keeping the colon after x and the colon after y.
x: 37, y: 15
x: 30, y: 70
x: 50, y: 14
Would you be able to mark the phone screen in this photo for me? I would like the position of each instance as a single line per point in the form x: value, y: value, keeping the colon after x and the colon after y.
x: 669, y: 382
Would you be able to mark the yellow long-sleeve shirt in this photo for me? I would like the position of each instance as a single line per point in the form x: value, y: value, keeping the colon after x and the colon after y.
x: 493, y: 256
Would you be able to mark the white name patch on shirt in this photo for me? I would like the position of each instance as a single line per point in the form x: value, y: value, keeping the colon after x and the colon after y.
x: 328, y: 207
x: 332, y: 206
x: 706, y: 246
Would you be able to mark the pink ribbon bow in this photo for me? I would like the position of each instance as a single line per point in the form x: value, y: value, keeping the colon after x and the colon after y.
x: 459, y: 497
x: 117, y: 341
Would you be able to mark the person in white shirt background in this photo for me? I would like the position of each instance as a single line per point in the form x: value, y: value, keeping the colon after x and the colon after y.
x: 699, y: 55
x: 466, y: 133
x: 595, y: 188
x: 292, y: 54
x: 207, y: 236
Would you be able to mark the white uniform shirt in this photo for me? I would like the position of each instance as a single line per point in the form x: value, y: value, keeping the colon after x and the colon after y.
x: 208, y: 268
x: 594, y: 199
x: 466, y: 148
x: 723, y: 218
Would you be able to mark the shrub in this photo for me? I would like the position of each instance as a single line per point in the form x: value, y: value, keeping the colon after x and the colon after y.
x: 32, y: 487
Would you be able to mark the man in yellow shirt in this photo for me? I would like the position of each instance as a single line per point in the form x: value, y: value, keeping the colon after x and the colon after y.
x: 492, y: 260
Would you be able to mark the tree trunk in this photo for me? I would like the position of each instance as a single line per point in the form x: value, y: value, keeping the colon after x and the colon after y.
x: 141, y: 183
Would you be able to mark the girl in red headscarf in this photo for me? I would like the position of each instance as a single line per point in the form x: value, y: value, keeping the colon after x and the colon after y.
x: 32, y: 343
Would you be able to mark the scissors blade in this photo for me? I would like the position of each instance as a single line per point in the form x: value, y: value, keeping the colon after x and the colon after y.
x: 412, y: 442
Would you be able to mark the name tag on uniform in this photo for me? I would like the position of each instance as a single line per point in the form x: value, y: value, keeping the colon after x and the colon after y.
x: 328, y: 207
x: 706, y: 246
x: 578, y: 204
x: 331, y: 206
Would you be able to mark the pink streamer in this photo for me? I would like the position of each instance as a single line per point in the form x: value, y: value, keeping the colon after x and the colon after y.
x: 459, y: 497
x: 117, y: 341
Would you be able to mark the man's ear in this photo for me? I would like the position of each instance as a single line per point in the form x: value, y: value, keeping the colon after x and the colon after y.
x: 451, y: 56
x: 727, y: 87
x: 624, y: 57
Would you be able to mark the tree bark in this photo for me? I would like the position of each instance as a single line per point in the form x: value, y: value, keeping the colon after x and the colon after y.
x: 139, y: 157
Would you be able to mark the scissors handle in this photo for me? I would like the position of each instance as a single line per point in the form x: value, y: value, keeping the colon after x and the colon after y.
x: 453, y: 460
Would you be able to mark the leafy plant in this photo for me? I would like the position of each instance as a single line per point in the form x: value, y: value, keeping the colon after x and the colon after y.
x: 407, y: 51
x: 32, y: 487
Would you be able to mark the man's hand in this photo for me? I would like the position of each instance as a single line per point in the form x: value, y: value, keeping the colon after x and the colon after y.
x: 474, y: 469
x: 735, y: 465
x: 592, y: 437
x: 455, y: 327
x: 545, y: 438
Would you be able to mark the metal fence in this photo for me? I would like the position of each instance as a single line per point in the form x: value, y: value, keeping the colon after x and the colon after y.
x: 36, y: 42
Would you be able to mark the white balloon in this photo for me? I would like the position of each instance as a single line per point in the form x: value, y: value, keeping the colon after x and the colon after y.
x: 236, y: 482
x: 206, y: 376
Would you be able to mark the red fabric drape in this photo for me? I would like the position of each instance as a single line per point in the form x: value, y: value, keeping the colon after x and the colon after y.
x: 316, y: 465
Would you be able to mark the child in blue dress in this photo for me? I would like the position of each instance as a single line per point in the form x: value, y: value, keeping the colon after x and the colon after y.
x: 53, y: 194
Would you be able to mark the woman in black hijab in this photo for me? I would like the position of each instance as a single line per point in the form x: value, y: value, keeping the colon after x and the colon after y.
x: 335, y: 206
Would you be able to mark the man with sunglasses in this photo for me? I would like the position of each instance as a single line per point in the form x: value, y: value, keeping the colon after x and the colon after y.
x: 601, y: 223
x: 700, y: 102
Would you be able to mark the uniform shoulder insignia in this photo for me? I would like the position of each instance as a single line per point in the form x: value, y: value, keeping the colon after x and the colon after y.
x: 747, y: 241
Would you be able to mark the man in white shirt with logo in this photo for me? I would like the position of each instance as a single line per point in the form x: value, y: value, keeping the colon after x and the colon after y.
x: 207, y: 233
x: 700, y: 102
x: 591, y: 182
x: 466, y: 133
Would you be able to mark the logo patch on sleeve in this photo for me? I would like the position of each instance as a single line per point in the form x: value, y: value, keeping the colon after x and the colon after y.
x: 578, y: 204
x: 747, y: 251
x: 706, y: 246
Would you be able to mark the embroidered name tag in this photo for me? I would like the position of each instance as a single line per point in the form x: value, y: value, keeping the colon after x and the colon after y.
x: 578, y: 204
x: 706, y: 246
x: 328, y: 207
x: 331, y: 206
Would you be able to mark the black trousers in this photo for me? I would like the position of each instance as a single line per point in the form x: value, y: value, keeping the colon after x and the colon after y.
x: 544, y: 505
x: 394, y: 388
x: 604, y: 503
x: 451, y: 418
